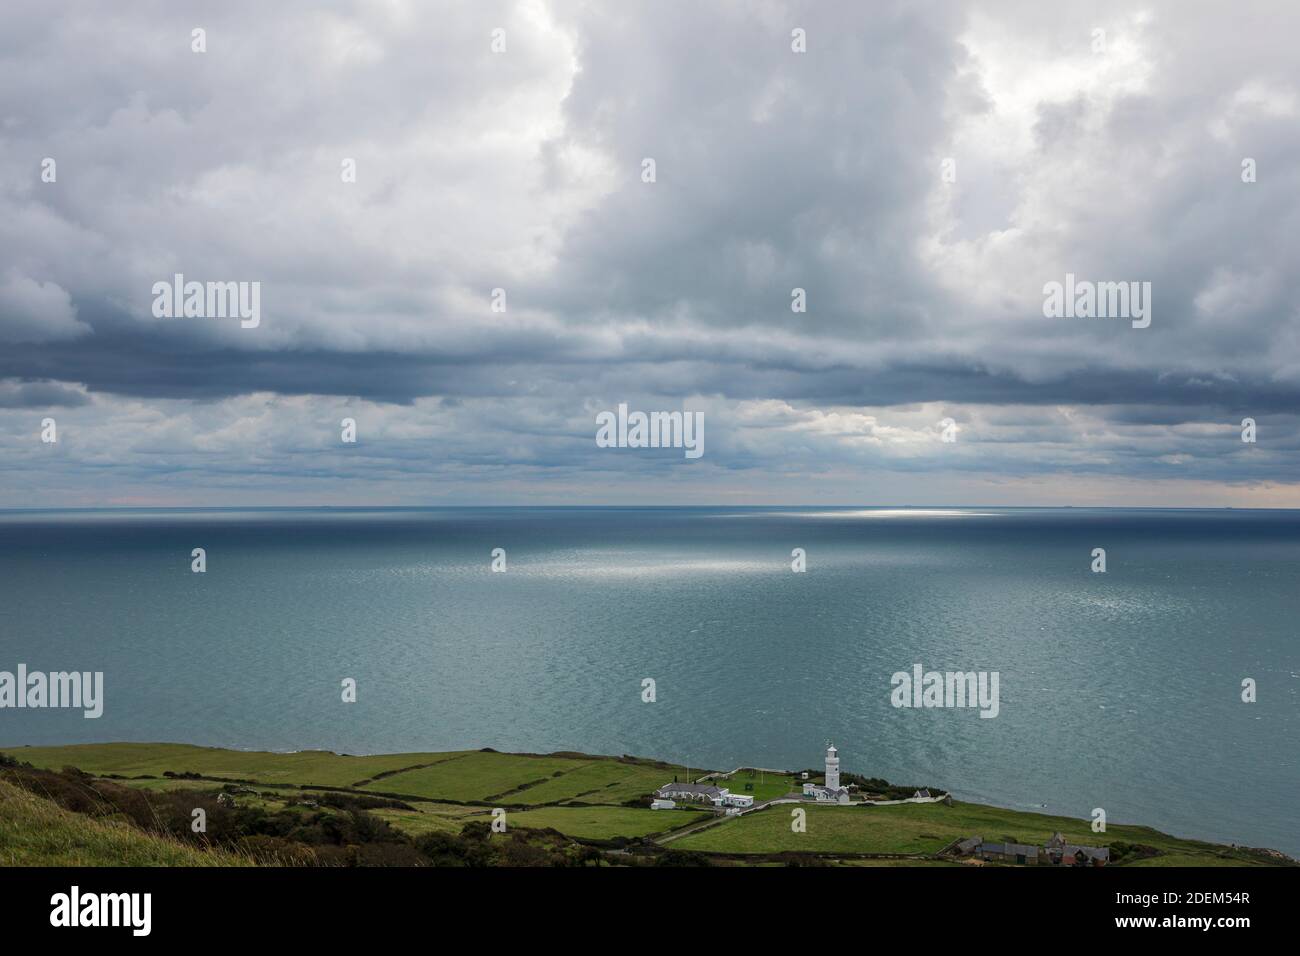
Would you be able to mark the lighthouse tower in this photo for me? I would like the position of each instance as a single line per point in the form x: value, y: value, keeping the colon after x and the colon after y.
x: 832, y: 768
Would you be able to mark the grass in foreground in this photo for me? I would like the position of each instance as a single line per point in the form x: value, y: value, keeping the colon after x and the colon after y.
x: 36, y: 832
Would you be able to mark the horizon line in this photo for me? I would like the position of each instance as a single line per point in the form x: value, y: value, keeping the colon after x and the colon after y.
x: 600, y: 507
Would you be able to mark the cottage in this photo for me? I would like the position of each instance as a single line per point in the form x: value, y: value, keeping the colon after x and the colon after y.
x: 1057, y: 852
x: 1020, y: 853
x: 1084, y: 855
x: 695, y: 792
x: 1060, y: 853
x: 968, y: 846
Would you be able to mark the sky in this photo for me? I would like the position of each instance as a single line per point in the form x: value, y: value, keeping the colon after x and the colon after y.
x: 457, y: 244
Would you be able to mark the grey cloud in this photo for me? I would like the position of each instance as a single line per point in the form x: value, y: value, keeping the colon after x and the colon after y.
x: 14, y: 394
x: 34, y: 311
x: 775, y: 170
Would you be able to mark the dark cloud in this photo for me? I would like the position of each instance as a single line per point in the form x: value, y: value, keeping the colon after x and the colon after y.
x: 18, y: 394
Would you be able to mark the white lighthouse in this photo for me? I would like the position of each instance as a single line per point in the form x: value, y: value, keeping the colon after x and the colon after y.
x: 832, y: 768
x: 830, y: 791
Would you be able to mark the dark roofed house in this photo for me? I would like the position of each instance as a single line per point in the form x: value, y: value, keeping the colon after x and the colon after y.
x: 1085, y: 855
x: 704, y: 792
x: 1057, y: 852
x: 1061, y: 853
x: 1021, y: 853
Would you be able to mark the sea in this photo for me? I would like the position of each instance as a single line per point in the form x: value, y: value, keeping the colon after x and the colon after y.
x: 1120, y: 690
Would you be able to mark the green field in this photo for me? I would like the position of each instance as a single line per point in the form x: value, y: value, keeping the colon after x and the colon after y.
x: 604, y: 823
x: 523, y: 780
x: 475, y: 776
x: 761, y: 785
x: 599, y: 781
x: 925, y: 829
x: 581, y: 822
x: 35, y: 832
x: 434, y: 818
x: 309, y: 767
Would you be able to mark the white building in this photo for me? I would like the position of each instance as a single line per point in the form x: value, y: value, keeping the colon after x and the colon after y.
x: 740, y: 800
x: 831, y: 791
x: 702, y: 793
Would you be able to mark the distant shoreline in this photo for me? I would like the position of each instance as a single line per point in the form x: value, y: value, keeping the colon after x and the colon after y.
x: 192, y: 509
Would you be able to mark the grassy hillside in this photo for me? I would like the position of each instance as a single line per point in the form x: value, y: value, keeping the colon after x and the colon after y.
x: 35, y: 832
x: 441, y: 797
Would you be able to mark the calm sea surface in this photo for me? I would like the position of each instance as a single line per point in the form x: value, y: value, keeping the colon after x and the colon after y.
x: 1119, y: 690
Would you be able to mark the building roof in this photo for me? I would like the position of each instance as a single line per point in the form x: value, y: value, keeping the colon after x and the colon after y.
x: 702, y: 788
x: 1091, y: 852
